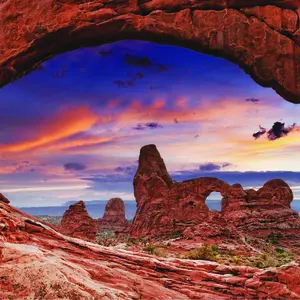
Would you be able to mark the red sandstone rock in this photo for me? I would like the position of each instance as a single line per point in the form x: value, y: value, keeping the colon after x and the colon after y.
x: 49, y: 265
x: 264, y: 211
x: 77, y: 223
x: 263, y: 40
x: 114, y: 216
x: 3, y: 199
x: 167, y: 208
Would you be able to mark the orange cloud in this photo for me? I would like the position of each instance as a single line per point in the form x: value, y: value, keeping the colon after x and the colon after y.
x: 80, y: 142
x: 226, y: 109
x: 66, y: 123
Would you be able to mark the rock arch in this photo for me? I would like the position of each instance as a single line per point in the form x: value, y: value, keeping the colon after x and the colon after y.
x: 204, y: 186
x: 263, y: 40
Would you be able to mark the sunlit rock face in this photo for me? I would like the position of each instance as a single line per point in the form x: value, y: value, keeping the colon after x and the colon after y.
x: 114, y: 217
x: 165, y: 207
x: 46, y: 264
x: 263, y: 211
x: 77, y: 223
x: 261, y: 36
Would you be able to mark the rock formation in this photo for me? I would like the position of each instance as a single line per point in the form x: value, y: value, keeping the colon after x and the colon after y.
x: 261, y: 36
x: 264, y: 211
x: 165, y: 207
x: 114, y: 216
x: 45, y: 264
x: 3, y: 199
x: 77, y: 223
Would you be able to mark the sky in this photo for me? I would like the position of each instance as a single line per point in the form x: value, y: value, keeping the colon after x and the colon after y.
x: 72, y: 129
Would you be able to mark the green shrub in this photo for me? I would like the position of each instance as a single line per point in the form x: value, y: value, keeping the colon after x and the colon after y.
x: 273, y: 257
x: 149, y: 248
x: 205, y: 252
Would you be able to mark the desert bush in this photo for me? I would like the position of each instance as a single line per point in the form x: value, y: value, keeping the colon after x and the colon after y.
x: 273, y: 257
x: 149, y: 248
x: 158, y: 250
x: 205, y: 252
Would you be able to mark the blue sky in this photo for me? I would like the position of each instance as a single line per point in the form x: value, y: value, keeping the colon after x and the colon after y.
x: 73, y: 128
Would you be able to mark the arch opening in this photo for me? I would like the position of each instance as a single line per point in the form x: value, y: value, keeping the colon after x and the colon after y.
x: 213, y: 201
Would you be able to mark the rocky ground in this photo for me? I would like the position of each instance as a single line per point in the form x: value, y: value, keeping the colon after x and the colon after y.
x: 38, y: 262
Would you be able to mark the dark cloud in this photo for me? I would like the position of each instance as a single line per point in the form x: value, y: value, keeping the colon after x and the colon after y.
x: 105, y: 52
x: 137, y: 61
x: 253, y: 100
x: 143, y: 62
x: 226, y: 165
x: 151, y: 125
x: 257, y: 134
x: 131, y: 82
x: 210, y: 167
x: 176, y: 120
x: 124, y: 84
x: 129, y: 170
x: 278, y: 130
x: 75, y: 166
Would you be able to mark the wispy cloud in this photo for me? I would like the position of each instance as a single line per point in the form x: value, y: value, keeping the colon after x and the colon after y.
x: 66, y: 123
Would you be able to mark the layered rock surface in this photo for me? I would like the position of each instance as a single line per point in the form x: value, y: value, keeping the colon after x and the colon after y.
x: 45, y: 264
x: 165, y: 207
x: 261, y: 36
x: 114, y: 216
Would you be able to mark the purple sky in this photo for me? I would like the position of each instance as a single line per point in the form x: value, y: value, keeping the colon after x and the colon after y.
x: 73, y: 128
